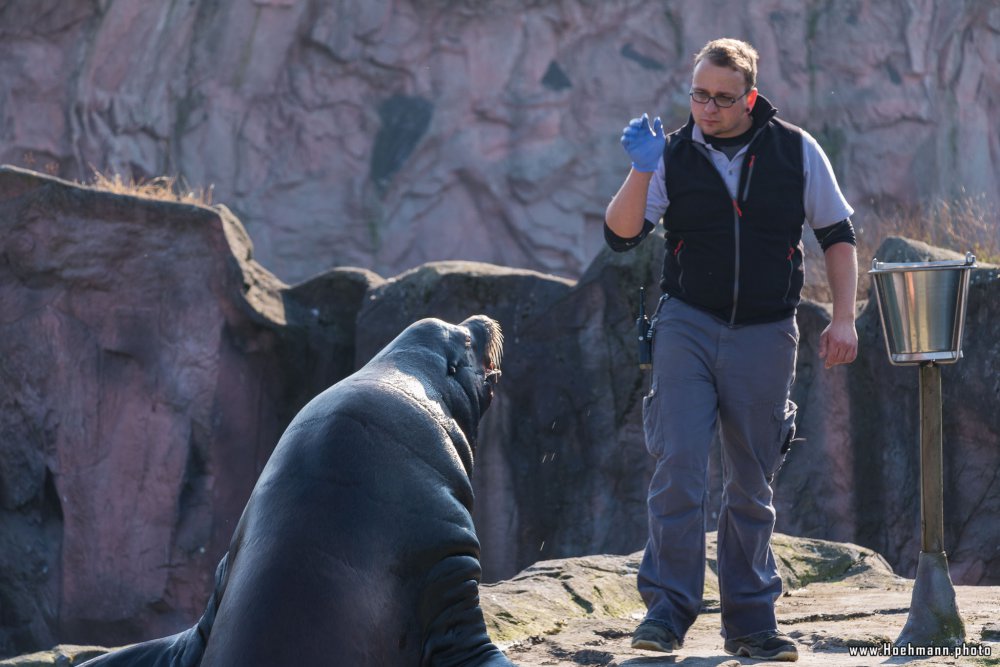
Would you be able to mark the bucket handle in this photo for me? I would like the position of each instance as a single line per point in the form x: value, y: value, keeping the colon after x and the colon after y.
x: 970, y: 260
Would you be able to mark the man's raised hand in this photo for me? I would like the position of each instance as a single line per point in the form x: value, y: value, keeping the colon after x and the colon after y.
x: 644, y: 144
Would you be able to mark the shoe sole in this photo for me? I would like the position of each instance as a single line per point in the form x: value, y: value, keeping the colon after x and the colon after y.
x: 782, y: 656
x: 650, y: 645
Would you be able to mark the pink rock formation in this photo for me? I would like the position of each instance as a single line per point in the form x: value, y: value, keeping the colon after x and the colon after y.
x: 148, y: 366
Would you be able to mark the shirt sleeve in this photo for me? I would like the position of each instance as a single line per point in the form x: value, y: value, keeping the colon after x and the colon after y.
x: 824, y: 203
x: 656, y: 196
x: 840, y: 232
x: 621, y: 244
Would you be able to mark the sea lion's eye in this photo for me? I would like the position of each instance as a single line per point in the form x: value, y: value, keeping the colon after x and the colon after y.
x: 452, y: 369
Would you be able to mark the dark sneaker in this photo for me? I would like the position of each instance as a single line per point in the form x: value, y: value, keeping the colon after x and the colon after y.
x: 767, y: 645
x: 655, y: 636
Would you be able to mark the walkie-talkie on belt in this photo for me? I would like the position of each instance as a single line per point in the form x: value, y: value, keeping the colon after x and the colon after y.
x: 643, y: 333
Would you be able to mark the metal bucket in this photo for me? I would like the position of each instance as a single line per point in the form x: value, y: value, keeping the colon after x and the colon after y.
x: 922, y: 308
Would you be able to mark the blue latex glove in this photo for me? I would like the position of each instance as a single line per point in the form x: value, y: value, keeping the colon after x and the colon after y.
x: 644, y: 144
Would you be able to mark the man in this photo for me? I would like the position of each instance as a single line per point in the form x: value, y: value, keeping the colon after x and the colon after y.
x: 734, y: 187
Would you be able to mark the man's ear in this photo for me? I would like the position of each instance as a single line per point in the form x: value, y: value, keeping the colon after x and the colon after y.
x: 751, y: 99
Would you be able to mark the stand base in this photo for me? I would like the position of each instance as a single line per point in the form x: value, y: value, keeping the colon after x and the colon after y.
x: 934, y: 618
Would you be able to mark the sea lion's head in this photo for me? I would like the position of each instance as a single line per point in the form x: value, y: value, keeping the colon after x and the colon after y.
x: 477, y: 368
x: 457, y: 366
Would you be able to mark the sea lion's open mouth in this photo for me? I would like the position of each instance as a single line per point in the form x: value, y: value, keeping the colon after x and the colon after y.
x: 493, y: 373
x: 490, y: 378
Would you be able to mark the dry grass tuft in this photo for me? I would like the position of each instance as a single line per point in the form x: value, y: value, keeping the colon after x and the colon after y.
x: 161, y: 188
x: 960, y: 224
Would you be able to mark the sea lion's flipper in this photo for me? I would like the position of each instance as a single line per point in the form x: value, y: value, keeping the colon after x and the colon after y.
x: 181, y: 650
x: 207, y: 620
x: 456, y: 634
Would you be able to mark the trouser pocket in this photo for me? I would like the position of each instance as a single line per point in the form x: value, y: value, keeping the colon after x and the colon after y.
x: 784, y: 415
x: 650, y: 407
x: 651, y: 421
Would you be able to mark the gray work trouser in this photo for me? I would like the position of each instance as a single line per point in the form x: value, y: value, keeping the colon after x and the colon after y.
x: 707, y: 375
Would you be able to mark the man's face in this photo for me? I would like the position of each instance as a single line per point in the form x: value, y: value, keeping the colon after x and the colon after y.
x: 715, y: 81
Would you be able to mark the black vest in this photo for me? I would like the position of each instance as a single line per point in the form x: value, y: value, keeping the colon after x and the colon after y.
x: 739, y: 259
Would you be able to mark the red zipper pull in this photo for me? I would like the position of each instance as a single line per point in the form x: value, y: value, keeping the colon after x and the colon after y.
x: 737, y: 207
x: 678, y: 248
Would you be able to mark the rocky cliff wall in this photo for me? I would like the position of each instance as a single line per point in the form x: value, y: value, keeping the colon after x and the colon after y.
x: 389, y: 133
x: 148, y: 365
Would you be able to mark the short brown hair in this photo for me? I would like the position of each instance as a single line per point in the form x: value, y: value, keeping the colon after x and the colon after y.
x: 732, y: 53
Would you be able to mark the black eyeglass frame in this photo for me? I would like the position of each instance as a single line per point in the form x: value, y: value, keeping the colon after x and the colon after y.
x: 715, y: 98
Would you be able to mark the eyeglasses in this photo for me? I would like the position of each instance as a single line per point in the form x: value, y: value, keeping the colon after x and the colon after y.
x: 721, y: 101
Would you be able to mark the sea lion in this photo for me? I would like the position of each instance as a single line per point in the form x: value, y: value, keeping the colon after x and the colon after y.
x: 357, y: 545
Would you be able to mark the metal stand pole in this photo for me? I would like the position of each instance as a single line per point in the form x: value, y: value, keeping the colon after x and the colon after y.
x: 931, y: 461
x: 934, y: 619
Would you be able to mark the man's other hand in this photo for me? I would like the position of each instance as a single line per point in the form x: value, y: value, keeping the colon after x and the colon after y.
x: 838, y: 344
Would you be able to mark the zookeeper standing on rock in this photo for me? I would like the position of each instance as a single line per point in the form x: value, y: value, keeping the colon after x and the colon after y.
x: 734, y: 188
